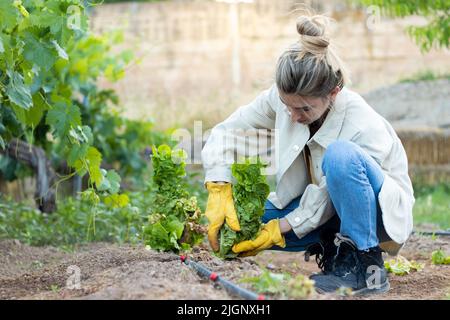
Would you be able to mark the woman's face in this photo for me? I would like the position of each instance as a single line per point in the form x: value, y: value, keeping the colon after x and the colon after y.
x: 306, y: 110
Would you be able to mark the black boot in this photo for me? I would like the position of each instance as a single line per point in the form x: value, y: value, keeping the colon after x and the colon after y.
x: 324, y: 251
x: 360, y: 270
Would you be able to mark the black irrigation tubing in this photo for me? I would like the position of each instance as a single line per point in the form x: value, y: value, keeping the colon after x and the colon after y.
x: 228, y: 285
x: 432, y: 233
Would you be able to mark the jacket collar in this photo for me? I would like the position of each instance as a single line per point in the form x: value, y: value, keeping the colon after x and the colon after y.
x: 330, y: 129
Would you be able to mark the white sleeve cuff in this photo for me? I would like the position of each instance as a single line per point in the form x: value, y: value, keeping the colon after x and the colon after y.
x: 219, y: 173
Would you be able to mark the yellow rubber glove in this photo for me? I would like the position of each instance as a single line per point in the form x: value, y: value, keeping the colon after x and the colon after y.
x: 220, y: 208
x: 269, y: 236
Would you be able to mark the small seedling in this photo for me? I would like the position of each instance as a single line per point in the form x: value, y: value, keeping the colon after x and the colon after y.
x: 37, y: 264
x: 267, y: 282
x: 54, y: 288
x: 299, y: 287
x: 401, y: 266
x: 439, y: 257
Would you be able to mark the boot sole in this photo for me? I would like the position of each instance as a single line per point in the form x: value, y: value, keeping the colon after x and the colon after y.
x: 368, y: 291
x: 364, y: 291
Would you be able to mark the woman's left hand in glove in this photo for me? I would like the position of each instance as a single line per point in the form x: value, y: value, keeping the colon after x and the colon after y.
x: 269, y: 236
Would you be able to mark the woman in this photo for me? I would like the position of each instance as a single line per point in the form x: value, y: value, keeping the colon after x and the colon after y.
x: 343, y: 191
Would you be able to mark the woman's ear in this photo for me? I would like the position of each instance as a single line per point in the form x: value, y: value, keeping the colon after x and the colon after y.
x: 334, y: 93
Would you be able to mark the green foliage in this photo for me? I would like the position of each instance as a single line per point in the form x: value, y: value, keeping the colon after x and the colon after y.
x: 268, y: 282
x: 283, y: 284
x: 71, y: 224
x: 49, y: 67
x: 436, y: 33
x: 401, y: 266
x: 432, y: 205
x: 174, y: 219
x: 439, y: 257
x: 249, y: 194
x: 170, y: 219
x: 47, y: 60
x: 195, y: 184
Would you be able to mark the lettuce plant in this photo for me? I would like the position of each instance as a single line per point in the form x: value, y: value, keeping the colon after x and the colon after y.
x: 174, y: 220
x: 250, y: 192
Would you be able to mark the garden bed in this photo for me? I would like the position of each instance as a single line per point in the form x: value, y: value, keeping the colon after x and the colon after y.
x: 110, y: 271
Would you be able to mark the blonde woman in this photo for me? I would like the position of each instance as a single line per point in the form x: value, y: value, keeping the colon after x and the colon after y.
x: 343, y: 193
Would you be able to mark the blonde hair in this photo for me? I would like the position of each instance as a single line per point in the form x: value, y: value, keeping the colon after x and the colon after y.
x: 311, y: 67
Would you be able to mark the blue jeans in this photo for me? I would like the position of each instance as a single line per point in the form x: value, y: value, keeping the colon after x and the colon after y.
x: 354, y: 181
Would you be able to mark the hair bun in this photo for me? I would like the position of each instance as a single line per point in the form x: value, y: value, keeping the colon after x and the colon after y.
x: 313, y: 34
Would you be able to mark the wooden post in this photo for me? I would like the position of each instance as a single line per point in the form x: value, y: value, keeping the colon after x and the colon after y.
x: 45, y: 174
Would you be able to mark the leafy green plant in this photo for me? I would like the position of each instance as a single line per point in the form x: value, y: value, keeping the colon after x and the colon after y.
x: 298, y: 287
x: 73, y: 222
x: 118, y: 218
x: 401, y: 266
x: 55, y: 288
x: 174, y: 220
x: 49, y: 65
x: 250, y: 192
x: 268, y: 282
x: 439, y: 257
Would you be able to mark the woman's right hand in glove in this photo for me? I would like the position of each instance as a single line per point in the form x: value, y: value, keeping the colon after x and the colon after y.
x: 220, y: 209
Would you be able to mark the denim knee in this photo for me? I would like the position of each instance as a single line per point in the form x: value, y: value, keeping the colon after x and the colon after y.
x: 270, y: 212
x: 338, y: 156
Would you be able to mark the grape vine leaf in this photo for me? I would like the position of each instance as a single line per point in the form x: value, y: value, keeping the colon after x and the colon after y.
x: 77, y: 152
x: 8, y: 14
x: 117, y: 200
x: 110, y: 182
x: 94, y: 159
x: 17, y: 91
x: 62, y: 117
x: 38, y: 52
x: 34, y: 115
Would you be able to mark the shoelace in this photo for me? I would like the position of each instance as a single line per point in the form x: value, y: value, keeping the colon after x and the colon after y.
x: 322, y: 259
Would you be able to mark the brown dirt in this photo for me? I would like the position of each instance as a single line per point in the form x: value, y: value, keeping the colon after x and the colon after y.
x: 109, y: 271
x: 433, y: 282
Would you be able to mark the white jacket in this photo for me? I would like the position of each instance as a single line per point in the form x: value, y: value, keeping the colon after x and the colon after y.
x: 351, y: 119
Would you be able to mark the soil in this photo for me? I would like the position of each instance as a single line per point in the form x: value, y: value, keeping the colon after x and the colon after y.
x: 111, y: 271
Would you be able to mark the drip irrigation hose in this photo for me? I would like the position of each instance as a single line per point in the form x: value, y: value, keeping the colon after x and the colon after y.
x: 431, y: 233
x: 228, y: 285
